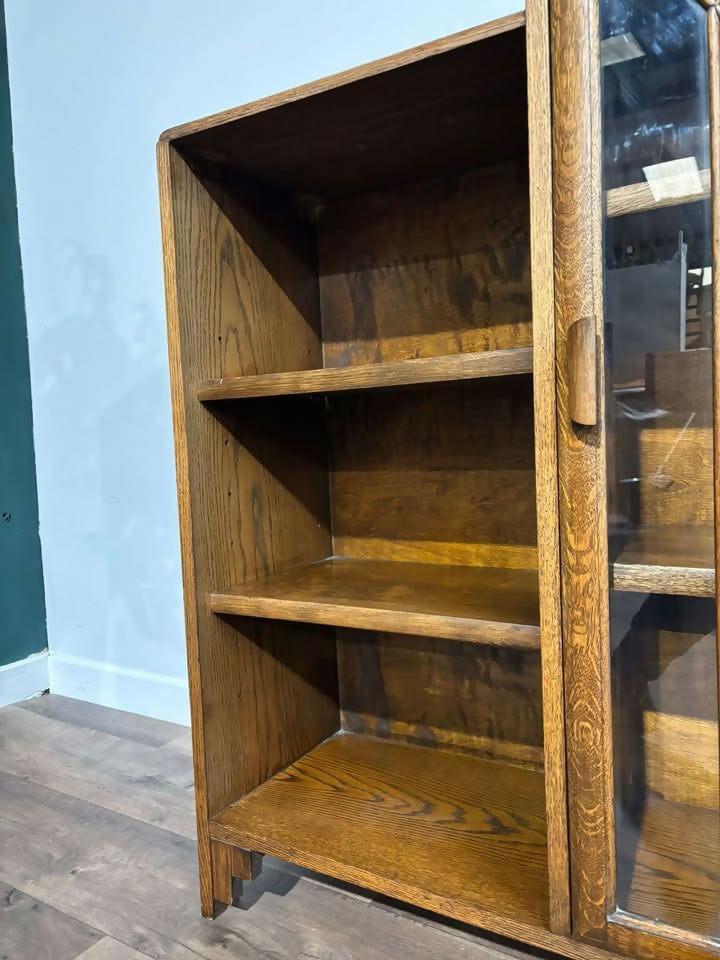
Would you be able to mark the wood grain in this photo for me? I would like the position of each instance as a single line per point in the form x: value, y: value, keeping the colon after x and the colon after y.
x: 668, y: 866
x: 150, y: 783
x: 31, y: 930
x: 449, y: 695
x: 643, y: 939
x: 676, y: 477
x: 430, y: 476
x: 221, y: 859
x: 458, y: 603
x: 138, y: 884
x: 472, y: 366
x: 91, y: 716
x: 258, y: 700
x: 416, y: 115
x: 663, y: 687
x: 582, y: 371
x: 680, y: 384
x: 638, y: 197
x: 681, y: 758
x: 546, y: 459
x: 430, y: 269
x: 377, y: 813
x: 666, y: 558
x: 578, y: 293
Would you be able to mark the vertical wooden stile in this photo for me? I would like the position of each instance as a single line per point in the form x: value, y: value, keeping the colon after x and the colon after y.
x: 541, y: 232
x: 578, y: 293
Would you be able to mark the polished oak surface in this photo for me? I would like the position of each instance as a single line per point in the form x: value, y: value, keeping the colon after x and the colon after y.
x: 441, y: 830
x: 440, y: 600
x: 669, y: 559
x: 469, y: 366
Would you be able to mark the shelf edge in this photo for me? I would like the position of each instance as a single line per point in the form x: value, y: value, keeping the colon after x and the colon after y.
x: 490, y: 632
x: 675, y: 581
x: 469, y: 366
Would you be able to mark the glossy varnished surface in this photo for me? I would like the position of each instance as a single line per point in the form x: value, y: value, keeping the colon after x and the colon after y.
x: 675, y: 559
x: 444, y: 694
x: 427, y: 269
x: 581, y: 462
x: 462, y: 603
x: 441, y: 830
x: 442, y: 473
x: 493, y: 363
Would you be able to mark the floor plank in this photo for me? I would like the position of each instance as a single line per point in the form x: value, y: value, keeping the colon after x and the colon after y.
x: 78, y: 836
x: 109, y: 949
x: 153, y: 784
x: 183, y: 743
x: 31, y: 930
x: 103, y: 867
x: 91, y: 716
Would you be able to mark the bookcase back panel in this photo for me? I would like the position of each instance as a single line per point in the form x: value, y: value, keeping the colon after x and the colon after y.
x: 441, y: 474
x: 430, y: 269
x: 665, y: 700
x: 476, y: 699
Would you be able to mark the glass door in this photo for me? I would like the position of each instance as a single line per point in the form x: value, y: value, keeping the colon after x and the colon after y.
x: 658, y: 334
x: 636, y: 341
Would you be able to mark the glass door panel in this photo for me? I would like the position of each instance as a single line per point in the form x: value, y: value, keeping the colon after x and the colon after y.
x: 658, y: 338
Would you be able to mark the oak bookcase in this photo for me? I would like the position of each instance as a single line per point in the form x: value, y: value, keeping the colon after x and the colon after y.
x: 372, y: 290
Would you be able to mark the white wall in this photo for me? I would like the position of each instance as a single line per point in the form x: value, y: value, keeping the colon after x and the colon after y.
x: 92, y: 85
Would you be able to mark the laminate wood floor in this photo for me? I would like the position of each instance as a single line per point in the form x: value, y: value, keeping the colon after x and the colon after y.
x: 98, y: 860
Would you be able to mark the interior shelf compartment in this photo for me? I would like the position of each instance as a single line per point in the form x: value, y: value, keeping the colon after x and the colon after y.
x: 668, y: 559
x: 638, y: 197
x: 667, y: 865
x: 477, y: 604
x: 449, y: 832
x: 469, y: 366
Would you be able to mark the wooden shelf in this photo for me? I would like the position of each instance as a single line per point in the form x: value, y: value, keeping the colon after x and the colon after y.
x: 667, y: 866
x: 667, y: 559
x: 448, y: 832
x: 478, y: 604
x: 638, y: 197
x: 461, y: 366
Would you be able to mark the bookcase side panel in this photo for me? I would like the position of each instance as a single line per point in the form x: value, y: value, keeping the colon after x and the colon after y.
x: 262, y: 694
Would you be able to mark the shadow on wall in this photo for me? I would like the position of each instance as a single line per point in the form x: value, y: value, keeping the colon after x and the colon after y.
x: 113, y: 496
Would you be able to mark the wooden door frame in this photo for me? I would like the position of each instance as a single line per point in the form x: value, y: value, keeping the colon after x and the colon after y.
x: 578, y: 262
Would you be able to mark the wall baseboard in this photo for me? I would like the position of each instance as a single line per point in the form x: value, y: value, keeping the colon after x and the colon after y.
x: 123, y: 688
x: 24, y: 679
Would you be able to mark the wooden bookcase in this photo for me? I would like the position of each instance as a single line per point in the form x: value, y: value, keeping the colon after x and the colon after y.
x: 375, y: 469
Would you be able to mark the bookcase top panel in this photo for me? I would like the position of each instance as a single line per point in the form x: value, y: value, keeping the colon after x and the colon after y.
x: 443, y: 107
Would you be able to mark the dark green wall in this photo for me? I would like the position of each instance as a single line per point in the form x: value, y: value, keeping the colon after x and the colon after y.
x: 22, y: 598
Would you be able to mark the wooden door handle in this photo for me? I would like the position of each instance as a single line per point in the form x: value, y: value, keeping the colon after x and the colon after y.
x: 582, y: 371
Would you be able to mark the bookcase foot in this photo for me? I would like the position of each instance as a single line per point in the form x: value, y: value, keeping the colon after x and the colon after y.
x: 230, y: 867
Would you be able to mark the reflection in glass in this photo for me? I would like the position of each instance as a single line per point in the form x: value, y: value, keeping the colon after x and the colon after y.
x: 658, y: 332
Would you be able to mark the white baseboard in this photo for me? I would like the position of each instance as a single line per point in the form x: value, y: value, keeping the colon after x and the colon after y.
x: 138, y: 691
x: 23, y: 679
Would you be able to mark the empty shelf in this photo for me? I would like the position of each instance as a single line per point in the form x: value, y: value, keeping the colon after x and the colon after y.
x: 667, y: 559
x: 446, y: 831
x: 461, y: 366
x: 479, y: 604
